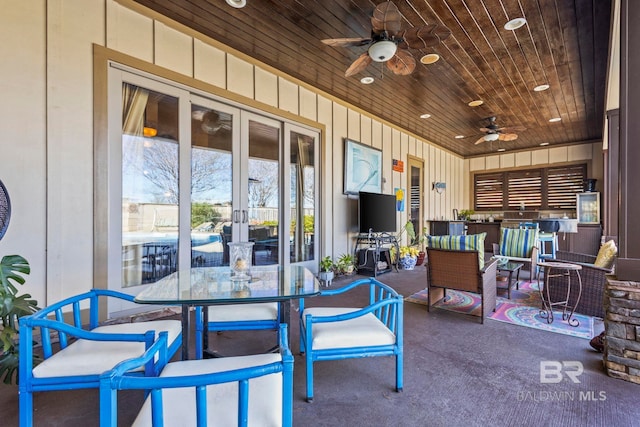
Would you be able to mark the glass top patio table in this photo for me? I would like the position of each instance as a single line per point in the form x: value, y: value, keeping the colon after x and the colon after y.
x: 204, y: 286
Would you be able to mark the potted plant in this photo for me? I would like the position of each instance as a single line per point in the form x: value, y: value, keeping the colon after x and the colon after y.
x: 346, y: 264
x: 326, y: 270
x: 408, y: 257
x: 465, y: 214
x: 12, y: 307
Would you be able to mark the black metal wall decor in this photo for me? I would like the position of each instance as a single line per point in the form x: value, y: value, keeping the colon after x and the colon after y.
x: 5, y: 210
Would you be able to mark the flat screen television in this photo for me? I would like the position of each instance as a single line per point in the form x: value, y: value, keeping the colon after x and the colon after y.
x: 377, y: 212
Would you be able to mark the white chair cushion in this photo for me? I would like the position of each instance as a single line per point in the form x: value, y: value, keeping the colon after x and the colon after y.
x: 179, y: 409
x: 86, y: 357
x: 238, y: 312
x: 366, y: 330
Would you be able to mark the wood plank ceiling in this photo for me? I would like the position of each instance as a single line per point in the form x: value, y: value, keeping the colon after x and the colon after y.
x: 564, y: 44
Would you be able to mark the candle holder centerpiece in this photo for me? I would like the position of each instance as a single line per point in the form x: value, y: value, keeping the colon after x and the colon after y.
x: 240, y: 260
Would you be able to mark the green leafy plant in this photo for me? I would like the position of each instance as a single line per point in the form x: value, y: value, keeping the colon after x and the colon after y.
x: 409, y: 230
x: 465, y: 214
x: 346, y: 263
x: 12, y: 307
x: 326, y: 264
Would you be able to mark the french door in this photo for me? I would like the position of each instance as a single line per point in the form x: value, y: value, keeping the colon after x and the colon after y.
x: 189, y: 174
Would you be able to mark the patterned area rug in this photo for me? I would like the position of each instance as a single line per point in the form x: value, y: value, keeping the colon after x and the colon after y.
x: 522, y: 309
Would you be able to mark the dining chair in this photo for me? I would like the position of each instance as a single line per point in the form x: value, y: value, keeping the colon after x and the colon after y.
x: 76, y: 349
x: 229, y: 391
x: 233, y: 317
x: 337, y: 333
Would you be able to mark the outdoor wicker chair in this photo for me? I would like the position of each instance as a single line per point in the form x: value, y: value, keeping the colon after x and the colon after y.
x: 460, y: 270
x: 593, y: 282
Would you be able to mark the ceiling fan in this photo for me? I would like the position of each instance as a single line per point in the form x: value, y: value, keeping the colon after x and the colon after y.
x: 389, y: 43
x: 493, y: 132
x: 212, y: 121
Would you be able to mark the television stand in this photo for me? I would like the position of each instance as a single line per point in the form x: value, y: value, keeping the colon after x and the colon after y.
x: 373, y: 254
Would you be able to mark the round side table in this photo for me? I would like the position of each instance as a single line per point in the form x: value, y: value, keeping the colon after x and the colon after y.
x: 558, y: 269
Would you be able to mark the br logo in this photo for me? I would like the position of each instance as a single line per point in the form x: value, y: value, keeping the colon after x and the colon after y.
x: 552, y: 371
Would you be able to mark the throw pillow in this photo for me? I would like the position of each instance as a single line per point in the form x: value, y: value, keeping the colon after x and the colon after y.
x: 518, y: 242
x: 471, y: 242
x: 606, y: 255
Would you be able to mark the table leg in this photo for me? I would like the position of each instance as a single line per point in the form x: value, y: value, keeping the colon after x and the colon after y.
x: 509, y: 285
x: 185, y: 331
x: 546, y: 312
x: 284, y: 317
x: 572, y: 321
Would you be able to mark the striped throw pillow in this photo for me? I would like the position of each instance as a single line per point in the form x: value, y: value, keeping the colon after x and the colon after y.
x: 471, y: 242
x: 518, y: 242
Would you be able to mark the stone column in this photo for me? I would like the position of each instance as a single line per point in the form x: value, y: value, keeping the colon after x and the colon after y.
x: 622, y: 326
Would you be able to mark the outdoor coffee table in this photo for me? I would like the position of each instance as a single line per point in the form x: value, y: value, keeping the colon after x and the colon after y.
x: 510, y: 267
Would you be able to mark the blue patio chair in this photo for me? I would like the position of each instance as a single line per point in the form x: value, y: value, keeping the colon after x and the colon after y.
x: 336, y: 333
x: 234, y: 317
x: 76, y: 350
x: 229, y: 391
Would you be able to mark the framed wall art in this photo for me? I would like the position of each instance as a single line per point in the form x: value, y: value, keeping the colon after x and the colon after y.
x: 362, y: 168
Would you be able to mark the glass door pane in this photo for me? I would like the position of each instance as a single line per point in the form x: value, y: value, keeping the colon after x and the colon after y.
x: 302, y: 177
x: 149, y: 185
x: 262, y: 215
x: 212, y: 142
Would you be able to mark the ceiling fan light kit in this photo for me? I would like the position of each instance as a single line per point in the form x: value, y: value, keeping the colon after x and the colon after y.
x: 491, y: 137
x: 382, y: 51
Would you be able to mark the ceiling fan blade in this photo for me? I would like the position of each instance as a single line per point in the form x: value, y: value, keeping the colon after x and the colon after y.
x: 386, y: 17
x: 345, y: 42
x: 485, y: 130
x: 480, y: 140
x: 511, y: 129
x: 402, y: 63
x: 424, y: 36
x: 358, y: 65
x: 508, y: 137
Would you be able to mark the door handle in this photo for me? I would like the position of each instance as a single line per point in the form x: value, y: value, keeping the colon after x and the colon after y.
x: 236, y: 216
x: 245, y: 216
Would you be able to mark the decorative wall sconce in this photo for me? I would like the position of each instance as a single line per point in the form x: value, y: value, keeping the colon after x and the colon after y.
x: 439, y: 187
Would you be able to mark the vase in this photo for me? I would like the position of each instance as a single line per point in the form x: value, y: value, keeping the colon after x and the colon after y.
x: 240, y: 260
x: 408, y: 263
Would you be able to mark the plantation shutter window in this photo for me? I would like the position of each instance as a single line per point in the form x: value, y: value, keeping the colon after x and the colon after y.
x: 552, y: 188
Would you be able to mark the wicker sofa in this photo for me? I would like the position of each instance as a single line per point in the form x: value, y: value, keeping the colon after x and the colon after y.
x: 460, y: 270
x: 593, y: 282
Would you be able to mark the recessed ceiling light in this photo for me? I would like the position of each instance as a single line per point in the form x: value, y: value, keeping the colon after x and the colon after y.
x: 514, y: 24
x: 502, y: 149
x: 425, y: 116
x: 430, y: 58
x: 459, y: 136
x: 476, y: 103
x: 366, y: 80
x: 540, y: 88
x: 237, y: 3
x: 542, y: 144
x: 555, y: 119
